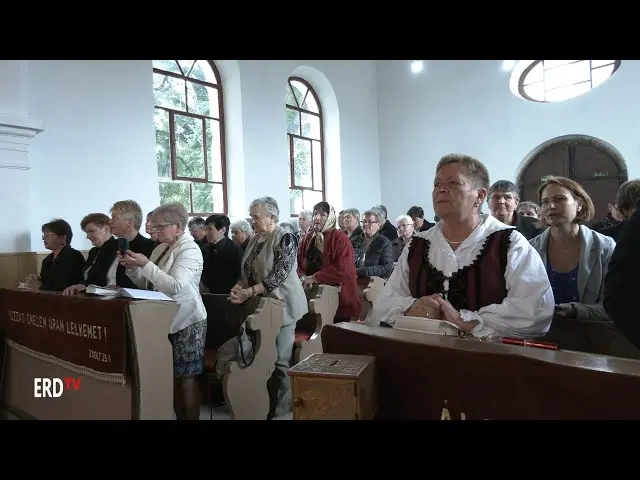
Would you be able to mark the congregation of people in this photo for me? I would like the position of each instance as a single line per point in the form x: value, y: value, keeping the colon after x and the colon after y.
x: 512, y: 272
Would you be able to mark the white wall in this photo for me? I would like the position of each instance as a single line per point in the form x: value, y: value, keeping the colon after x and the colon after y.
x: 467, y: 107
x: 98, y: 145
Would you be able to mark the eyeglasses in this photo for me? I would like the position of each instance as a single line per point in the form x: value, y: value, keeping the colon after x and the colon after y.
x: 162, y: 226
x: 369, y: 222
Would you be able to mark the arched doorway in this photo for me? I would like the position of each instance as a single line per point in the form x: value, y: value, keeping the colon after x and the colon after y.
x: 593, y: 163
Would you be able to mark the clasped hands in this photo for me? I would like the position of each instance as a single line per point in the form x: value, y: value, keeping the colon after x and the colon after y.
x: 239, y: 294
x: 436, y: 307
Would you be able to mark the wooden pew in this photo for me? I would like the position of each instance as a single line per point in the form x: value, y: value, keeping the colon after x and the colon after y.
x: 369, y: 288
x: 428, y: 377
x: 244, y: 387
x: 591, y: 337
x: 116, y: 350
x: 323, y: 305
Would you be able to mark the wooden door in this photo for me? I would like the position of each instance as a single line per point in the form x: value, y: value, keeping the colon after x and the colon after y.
x: 581, y: 160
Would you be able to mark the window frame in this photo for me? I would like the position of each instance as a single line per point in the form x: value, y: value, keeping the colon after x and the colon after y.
x: 321, y: 141
x: 222, y: 130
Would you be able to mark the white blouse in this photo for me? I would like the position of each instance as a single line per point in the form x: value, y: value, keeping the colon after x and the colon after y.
x: 527, y: 310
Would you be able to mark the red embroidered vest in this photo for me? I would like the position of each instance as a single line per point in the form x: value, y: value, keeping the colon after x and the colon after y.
x: 475, y: 286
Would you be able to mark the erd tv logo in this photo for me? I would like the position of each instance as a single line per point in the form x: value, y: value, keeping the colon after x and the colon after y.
x: 54, y: 387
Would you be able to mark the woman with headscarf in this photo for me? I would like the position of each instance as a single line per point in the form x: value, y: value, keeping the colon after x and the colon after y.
x: 326, y: 257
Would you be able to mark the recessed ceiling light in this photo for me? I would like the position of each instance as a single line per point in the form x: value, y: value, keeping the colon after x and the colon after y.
x: 417, y: 66
x: 507, y: 65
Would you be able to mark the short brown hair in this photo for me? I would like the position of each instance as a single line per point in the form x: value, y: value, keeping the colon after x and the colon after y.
x: 475, y: 168
x: 587, y: 211
x: 627, y: 196
x: 98, y: 219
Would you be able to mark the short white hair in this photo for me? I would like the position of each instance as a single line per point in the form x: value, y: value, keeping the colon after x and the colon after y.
x: 406, y: 218
x: 308, y: 214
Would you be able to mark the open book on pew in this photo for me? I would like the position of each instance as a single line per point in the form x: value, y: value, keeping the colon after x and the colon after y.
x: 128, y: 293
x: 425, y: 325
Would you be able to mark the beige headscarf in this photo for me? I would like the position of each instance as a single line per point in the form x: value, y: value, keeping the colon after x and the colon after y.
x: 329, y: 224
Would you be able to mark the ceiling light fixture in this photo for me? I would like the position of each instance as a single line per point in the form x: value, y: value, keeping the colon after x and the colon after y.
x: 417, y: 66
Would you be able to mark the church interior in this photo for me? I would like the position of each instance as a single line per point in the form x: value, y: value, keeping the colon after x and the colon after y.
x: 323, y: 239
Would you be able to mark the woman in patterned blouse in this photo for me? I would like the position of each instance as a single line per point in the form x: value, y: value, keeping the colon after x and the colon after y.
x: 269, y: 268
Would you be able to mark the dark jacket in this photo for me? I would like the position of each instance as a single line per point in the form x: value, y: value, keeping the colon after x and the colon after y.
x: 388, y: 230
x: 378, y: 258
x: 99, y: 261
x: 221, y: 265
x: 63, y: 271
x: 620, y: 284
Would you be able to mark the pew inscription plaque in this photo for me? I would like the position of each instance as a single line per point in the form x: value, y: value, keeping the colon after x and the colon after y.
x: 84, y: 331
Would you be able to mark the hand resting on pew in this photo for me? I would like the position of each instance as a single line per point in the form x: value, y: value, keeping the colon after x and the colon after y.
x: 427, y: 307
x: 239, y: 294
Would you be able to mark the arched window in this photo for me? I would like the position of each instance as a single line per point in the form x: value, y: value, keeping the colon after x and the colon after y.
x: 548, y: 81
x: 189, y: 122
x: 306, y: 146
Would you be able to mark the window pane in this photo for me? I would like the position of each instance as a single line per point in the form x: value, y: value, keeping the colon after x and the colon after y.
x: 535, y: 75
x: 207, y: 198
x: 295, y: 201
x: 186, y: 65
x: 535, y: 91
x: 556, y: 63
x: 289, y: 98
x: 601, y: 63
x: 310, y: 198
x: 567, y: 75
x: 565, y: 93
x: 310, y: 126
x: 166, y: 65
x: 310, y: 103
x: 169, y: 92
x: 202, y: 100
x: 302, y: 163
x: 163, y: 144
x: 299, y: 90
x: 293, y: 121
x: 175, y: 191
x: 203, y: 71
x: 316, y: 152
x: 599, y: 75
x: 189, y: 151
x: 214, y: 151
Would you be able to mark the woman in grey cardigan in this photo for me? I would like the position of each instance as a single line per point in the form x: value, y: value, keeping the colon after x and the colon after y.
x: 269, y: 267
x: 576, y: 257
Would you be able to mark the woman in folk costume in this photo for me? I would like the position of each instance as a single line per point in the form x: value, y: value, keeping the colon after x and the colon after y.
x: 470, y: 269
x: 326, y: 257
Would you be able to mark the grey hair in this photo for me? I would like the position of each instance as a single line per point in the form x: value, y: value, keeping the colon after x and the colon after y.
x: 242, y: 226
x: 527, y: 204
x: 406, y: 218
x: 270, y: 206
x: 308, y: 214
x: 288, y: 227
x: 476, y: 170
x: 174, y: 212
x: 353, y: 212
x: 372, y: 213
x: 504, y: 186
x: 196, y: 221
x: 379, y: 211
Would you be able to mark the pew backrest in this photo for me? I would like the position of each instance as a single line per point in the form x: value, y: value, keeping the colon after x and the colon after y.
x: 422, y: 375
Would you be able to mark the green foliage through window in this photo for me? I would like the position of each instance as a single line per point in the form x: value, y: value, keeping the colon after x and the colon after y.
x: 306, y: 145
x: 188, y: 118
